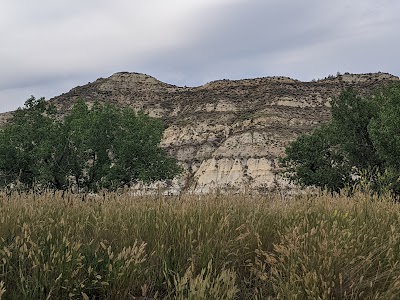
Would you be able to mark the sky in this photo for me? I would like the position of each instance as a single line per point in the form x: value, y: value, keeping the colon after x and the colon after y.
x: 48, y: 47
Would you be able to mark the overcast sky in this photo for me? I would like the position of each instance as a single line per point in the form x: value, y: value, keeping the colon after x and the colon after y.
x: 48, y: 47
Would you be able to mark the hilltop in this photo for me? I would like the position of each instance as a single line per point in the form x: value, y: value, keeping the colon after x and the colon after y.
x: 227, y: 133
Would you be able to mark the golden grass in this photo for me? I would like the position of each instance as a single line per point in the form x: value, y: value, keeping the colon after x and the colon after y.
x: 198, y: 247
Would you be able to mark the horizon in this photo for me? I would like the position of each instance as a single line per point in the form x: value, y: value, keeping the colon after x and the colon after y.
x: 51, y: 47
x: 214, y: 80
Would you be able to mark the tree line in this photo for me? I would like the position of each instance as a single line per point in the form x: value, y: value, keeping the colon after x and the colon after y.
x: 102, y: 147
x: 360, y: 144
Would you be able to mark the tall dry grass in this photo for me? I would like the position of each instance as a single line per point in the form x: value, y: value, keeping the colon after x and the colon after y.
x: 198, y: 247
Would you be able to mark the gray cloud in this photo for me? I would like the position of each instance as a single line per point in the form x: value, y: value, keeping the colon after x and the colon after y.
x: 48, y: 47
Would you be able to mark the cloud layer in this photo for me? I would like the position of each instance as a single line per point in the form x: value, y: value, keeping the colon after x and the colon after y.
x: 48, y: 47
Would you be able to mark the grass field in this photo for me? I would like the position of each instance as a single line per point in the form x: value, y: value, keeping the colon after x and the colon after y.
x: 198, y: 247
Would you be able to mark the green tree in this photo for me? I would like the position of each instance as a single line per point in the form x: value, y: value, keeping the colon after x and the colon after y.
x: 28, y: 144
x: 362, y: 138
x: 116, y: 147
x: 316, y: 159
x: 351, y: 115
x: 102, y: 147
x: 384, y: 130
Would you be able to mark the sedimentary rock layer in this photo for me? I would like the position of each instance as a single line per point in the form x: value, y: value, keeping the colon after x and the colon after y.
x: 227, y: 133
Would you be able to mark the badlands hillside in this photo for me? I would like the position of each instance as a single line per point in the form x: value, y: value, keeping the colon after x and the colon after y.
x: 227, y: 133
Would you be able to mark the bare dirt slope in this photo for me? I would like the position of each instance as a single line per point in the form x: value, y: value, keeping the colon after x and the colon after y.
x: 227, y: 133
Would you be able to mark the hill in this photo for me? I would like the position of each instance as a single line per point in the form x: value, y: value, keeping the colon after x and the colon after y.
x: 227, y: 133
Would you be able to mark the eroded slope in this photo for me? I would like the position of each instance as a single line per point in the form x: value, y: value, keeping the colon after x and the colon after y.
x: 227, y: 133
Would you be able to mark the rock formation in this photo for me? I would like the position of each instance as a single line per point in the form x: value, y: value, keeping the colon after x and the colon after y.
x: 227, y: 133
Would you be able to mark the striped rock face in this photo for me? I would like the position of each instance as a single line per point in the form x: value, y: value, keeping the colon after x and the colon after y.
x: 227, y: 134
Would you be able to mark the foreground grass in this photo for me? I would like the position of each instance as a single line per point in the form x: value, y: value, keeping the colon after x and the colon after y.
x: 209, y: 247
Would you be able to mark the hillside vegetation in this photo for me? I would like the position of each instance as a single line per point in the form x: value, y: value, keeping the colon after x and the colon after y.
x: 55, y: 246
x: 102, y: 147
x: 360, y: 143
x: 228, y: 133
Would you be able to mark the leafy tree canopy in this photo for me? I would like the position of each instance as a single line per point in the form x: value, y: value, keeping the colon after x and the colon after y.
x: 102, y: 147
x: 362, y: 139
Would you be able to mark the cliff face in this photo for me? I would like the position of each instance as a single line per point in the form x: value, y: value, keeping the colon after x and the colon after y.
x: 227, y: 134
